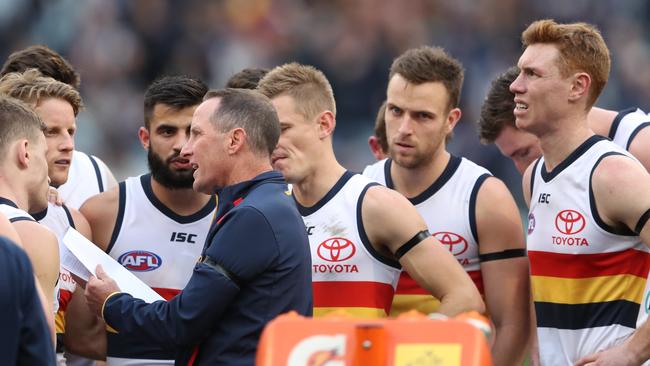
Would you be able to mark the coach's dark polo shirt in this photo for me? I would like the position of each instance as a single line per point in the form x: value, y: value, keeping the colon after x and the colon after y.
x: 256, y: 265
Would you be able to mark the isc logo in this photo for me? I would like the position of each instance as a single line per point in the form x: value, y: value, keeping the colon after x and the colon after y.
x: 183, y: 237
x: 140, y: 260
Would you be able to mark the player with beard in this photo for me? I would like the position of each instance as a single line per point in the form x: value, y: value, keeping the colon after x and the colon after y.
x: 155, y: 224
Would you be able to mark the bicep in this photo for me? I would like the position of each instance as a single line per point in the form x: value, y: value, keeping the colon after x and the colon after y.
x: 619, y: 186
x: 101, y: 213
x: 43, y: 250
x: 639, y: 147
x: 389, y: 219
x: 81, y: 224
x: 498, y: 221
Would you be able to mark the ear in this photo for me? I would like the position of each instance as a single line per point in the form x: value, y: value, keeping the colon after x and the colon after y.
x: 236, y: 141
x: 580, y: 86
x: 375, y: 147
x: 143, y: 135
x: 326, y: 124
x: 452, y: 119
x: 22, y: 153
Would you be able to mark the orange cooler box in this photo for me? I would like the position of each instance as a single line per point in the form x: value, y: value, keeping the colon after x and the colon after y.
x: 338, y: 340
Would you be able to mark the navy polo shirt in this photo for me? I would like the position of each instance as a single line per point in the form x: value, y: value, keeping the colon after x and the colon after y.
x: 256, y: 265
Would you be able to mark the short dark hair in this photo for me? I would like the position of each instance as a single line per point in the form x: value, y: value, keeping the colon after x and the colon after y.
x: 250, y: 110
x: 380, y: 128
x: 497, y: 111
x: 46, y: 60
x: 247, y: 78
x: 177, y: 92
x: 17, y: 121
x: 431, y: 64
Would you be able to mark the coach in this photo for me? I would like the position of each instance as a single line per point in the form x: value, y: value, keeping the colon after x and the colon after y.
x: 255, y: 263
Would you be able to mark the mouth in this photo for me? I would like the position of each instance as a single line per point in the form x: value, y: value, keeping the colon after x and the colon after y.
x: 181, y: 163
x: 276, y: 158
x: 403, y: 145
x: 520, y: 106
x: 62, y: 162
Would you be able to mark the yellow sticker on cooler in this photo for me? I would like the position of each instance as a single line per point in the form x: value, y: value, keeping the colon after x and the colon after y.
x: 430, y: 354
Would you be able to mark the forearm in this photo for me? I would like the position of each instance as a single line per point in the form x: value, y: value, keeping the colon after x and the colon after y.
x: 182, y: 321
x: 639, y: 344
x: 85, y: 333
x: 460, y: 301
x: 511, y: 344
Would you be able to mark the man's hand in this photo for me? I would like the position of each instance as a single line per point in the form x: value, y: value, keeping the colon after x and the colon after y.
x: 615, y: 356
x: 98, y: 289
x: 53, y: 196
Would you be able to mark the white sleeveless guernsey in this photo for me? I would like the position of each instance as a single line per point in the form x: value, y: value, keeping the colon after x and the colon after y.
x: 13, y: 213
x: 587, y: 277
x: 448, y: 207
x: 58, y: 220
x: 159, y: 247
x: 347, y: 273
x: 626, y: 126
x: 87, y: 177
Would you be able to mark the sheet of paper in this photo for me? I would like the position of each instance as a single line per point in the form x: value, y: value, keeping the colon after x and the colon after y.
x: 72, y: 264
x: 89, y: 255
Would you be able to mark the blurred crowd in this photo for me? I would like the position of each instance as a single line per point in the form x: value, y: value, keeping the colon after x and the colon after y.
x: 120, y: 46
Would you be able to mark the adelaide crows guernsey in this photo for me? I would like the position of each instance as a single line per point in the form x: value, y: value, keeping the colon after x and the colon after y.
x: 348, y: 274
x: 159, y: 247
x: 58, y: 220
x: 448, y: 206
x: 626, y: 126
x: 87, y: 177
x: 587, y: 277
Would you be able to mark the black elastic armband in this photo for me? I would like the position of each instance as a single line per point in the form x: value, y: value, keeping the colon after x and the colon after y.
x: 639, y: 225
x: 219, y: 268
x: 506, y: 254
x: 399, y: 253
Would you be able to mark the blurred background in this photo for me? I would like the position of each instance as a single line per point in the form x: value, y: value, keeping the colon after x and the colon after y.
x: 120, y: 46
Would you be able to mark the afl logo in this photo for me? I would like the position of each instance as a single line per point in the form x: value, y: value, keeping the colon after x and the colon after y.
x: 140, y: 261
x: 456, y: 243
x: 336, y: 250
x: 569, y: 222
x: 531, y: 223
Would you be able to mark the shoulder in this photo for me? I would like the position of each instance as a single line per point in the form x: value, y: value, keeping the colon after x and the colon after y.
x: 375, y: 171
x: 101, y: 203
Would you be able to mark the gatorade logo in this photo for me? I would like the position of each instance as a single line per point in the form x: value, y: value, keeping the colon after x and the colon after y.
x: 319, y: 350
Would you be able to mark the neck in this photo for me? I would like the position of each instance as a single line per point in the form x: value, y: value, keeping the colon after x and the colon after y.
x: 182, y: 201
x: 411, y: 182
x: 247, y: 169
x: 7, y: 191
x: 558, y: 144
x: 322, y: 177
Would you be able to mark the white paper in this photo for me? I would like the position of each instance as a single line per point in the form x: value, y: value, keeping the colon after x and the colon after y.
x: 72, y: 264
x: 89, y: 255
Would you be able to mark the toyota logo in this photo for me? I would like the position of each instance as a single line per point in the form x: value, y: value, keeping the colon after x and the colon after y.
x: 456, y: 243
x: 336, y: 250
x: 569, y: 222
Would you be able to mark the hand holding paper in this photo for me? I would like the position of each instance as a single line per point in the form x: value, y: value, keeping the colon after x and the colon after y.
x: 84, y: 258
x: 98, y: 289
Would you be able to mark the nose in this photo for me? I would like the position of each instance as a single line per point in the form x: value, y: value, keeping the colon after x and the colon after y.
x: 186, y: 149
x: 516, y: 86
x: 405, y: 127
x: 67, y: 144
